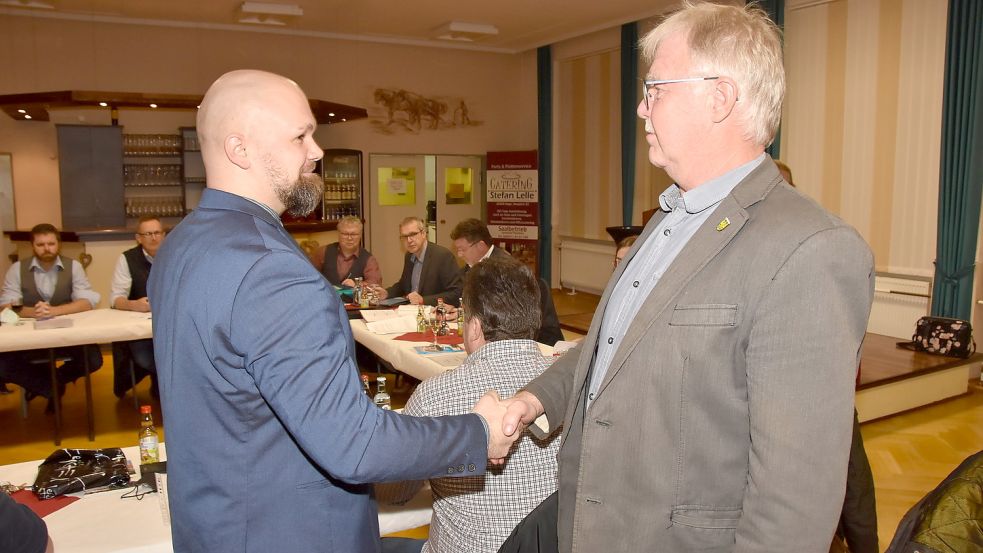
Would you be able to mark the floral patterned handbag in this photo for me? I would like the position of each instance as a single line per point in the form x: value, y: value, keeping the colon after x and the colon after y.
x: 942, y: 336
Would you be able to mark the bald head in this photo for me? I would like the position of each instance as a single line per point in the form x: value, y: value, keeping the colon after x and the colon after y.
x: 256, y: 134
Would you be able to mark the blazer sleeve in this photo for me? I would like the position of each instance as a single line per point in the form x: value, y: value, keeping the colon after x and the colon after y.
x: 444, y: 277
x: 402, y: 286
x: 554, y: 388
x: 802, y: 356
x: 292, y: 333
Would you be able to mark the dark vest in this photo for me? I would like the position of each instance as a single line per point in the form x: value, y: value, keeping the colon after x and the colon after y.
x: 139, y: 272
x: 63, y: 286
x: 330, y: 266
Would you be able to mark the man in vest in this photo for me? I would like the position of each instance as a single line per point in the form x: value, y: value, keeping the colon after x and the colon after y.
x: 129, y: 292
x: 48, y: 286
x: 345, y: 260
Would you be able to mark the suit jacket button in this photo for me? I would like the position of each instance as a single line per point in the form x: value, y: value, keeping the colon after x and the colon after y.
x: 472, y: 468
x: 460, y: 468
x: 450, y: 470
x: 610, y: 340
x: 635, y: 284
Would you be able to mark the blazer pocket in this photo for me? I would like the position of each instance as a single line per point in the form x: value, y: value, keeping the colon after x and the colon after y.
x: 696, y: 517
x: 710, y: 314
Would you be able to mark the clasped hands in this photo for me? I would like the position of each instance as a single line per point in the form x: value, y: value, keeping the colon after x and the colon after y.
x: 506, y: 420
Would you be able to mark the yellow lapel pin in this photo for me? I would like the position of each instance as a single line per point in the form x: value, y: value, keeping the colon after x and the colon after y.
x: 723, y: 224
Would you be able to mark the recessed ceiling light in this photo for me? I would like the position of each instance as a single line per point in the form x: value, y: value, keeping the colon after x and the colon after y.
x: 343, y: 119
x: 153, y: 105
x: 103, y: 104
x: 464, y: 32
x: 269, y: 8
x: 330, y: 114
x: 21, y: 111
x: 27, y: 116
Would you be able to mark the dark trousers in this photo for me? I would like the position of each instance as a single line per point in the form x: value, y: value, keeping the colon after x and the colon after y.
x: 29, y: 369
x: 142, y: 354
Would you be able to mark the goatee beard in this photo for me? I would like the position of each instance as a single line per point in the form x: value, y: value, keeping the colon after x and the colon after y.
x: 304, y: 197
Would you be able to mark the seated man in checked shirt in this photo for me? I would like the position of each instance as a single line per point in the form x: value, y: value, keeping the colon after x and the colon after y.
x: 476, y: 514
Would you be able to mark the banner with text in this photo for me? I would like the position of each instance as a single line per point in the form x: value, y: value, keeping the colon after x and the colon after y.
x: 513, y: 203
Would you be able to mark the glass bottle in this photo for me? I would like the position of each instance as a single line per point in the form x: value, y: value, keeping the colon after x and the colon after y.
x: 460, y: 317
x: 365, y: 385
x: 148, y: 437
x: 381, y: 396
x: 441, y: 314
x: 421, y: 320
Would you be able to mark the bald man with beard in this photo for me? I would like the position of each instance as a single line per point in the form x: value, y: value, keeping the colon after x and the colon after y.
x: 270, y: 441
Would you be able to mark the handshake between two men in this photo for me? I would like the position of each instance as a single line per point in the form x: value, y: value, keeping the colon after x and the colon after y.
x: 506, y: 419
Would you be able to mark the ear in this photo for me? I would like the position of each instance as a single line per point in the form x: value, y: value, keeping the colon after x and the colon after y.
x: 724, y: 97
x: 235, y: 150
x: 473, y: 331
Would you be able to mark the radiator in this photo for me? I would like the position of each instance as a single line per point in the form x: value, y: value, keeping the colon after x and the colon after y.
x: 585, y: 264
x: 899, y: 301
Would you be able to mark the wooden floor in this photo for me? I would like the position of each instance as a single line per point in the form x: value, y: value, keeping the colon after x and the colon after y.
x: 909, y: 453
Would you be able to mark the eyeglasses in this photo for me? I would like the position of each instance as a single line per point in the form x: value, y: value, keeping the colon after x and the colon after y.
x: 647, y: 85
x: 151, y: 234
x: 350, y: 234
x: 410, y: 235
x: 461, y: 249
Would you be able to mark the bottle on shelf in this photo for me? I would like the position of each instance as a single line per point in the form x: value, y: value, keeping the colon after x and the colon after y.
x: 149, y: 440
x: 365, y: 385
x: 381, y: 396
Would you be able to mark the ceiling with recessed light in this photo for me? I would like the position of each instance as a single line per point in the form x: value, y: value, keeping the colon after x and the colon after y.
x: 507, y: 26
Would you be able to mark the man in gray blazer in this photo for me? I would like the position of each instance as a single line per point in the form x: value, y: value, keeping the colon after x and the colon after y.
x: 709, y: 408
x: 429, y: 270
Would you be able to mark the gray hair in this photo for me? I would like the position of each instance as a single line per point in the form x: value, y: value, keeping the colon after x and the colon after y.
x: 739, y: 42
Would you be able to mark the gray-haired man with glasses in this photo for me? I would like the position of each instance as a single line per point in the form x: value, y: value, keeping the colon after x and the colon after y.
x: 429, y: 270
x: 129, y: 292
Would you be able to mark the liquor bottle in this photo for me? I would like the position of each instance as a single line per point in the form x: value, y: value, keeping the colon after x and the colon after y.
x: 421, y: 320
x: 365, y: 385
x: 441, y: 314
x: 381, y: 396
x: 460, y: 317
x: 148, y: 437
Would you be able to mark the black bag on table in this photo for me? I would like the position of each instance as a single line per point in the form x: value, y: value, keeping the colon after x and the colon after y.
x: 74, y: 470
x: 942, y: 336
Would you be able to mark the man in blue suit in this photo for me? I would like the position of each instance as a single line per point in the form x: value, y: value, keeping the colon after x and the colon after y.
x: 271, y: 442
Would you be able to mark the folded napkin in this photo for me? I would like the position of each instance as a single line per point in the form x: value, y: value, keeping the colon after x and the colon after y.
x: 8, y: 317
x: 450, y: 339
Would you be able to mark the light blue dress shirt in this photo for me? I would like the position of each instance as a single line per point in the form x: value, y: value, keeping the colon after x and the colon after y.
x: 46, y: 280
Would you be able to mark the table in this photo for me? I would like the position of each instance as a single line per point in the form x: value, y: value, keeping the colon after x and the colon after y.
x: 404, y: 358
x: 97, y: 326
x: 102, y: 522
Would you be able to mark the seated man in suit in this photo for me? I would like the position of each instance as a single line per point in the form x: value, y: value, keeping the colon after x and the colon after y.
x: 473, y: 244
x: 48, y: 286
x: 129, y: 293
x: 476, y: 514
x: 346, y: 259
x: 429, y: 270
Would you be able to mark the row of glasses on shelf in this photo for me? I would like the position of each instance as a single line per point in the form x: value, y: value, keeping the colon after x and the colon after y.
x: 152, y: 175
x: 333, y: 213
x: 163, y: 206
x: 151, y: 144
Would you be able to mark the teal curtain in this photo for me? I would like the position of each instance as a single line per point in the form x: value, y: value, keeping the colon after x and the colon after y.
x: 544, y: 82
x: 961, y: 168
x: 629, y: 119
x: 776, y: 11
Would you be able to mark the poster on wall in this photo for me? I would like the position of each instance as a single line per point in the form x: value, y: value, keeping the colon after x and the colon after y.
x: 397, y: 185
x: 512, y: 198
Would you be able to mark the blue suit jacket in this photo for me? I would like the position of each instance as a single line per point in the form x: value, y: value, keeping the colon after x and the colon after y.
x: 270, y: 440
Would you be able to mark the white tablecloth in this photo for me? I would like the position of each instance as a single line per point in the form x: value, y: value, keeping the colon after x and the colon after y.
x: 103, y: 522
x: 99, y: 326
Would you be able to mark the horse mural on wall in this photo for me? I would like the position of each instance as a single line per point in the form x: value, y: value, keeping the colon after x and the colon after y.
x: 401, y: 110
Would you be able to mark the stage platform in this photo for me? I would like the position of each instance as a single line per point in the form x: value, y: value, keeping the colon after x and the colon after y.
x: 892, y: 380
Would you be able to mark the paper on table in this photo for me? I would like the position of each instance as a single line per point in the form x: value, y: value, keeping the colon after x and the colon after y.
x: 408, y: 310
x: 373, y: 315
x: 398, y: 325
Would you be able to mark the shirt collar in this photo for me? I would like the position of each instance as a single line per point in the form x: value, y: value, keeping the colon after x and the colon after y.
x: 421, y: 254
x: 146, y: 255
x: 708, y: 194
x: 267, y: 208
x: 58, y: 264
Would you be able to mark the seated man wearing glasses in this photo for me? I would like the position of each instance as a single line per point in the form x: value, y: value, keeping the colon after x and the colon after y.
x: 473, y: 244
x: 429, y: 270
x: 128, y: 292
x: 345, y: 260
